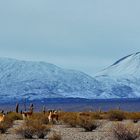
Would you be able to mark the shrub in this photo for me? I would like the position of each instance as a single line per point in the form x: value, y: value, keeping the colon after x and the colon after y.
x: 40, y: 116
x: 25, y: 132
x: 40, y: 130
x: 6, y: 124
x: 135, y: 116
x: 87, y: 123
x: 126, y: 131
x: 96, y: 115
x: 55, y: 136
x: 33, y: 128
x: 70, y: 119
x: 44, y: 119
x: 14, y: 116
x: 116, y: 115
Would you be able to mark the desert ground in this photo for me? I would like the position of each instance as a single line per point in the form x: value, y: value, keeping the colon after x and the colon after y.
x: 59, y: 125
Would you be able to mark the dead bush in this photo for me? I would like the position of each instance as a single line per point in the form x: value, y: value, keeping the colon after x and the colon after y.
x: 126, y: 131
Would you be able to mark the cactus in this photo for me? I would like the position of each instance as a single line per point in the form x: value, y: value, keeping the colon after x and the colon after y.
x: 118, y: 107
x: 44, y: 110
x: 100, y: 109
x: 17, y: 107
x: 24, y: 103
x: 31, y: 108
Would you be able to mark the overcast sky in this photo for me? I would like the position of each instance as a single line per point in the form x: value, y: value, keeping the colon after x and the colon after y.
x: 86, y: 35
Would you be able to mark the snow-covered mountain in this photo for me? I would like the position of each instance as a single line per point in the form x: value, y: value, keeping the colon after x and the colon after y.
x: 122, y: 79
x: 35, y: 80
x: 128, y: 65
x: 38, y: 80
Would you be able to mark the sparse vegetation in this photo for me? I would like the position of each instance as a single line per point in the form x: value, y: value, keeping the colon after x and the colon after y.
x: 69, y: 118
x: 37, y: 125
x: 40, y: 116
x: 85, y: 120
x: 126, y: 131
x: 87, y: 123
x: 25, y: 132
x: 55, y: 136
x: 135, y: 116
x: 14, y: 116
x: 116, y: 115
x: 96, y: 115
x: 32, y: 128
x: 4, y: 126
x: 8, y: 121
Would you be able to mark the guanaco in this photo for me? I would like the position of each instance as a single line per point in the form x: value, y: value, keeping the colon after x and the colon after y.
x: 2, y: 117
x: 53, y: 116
x: 26, y: 115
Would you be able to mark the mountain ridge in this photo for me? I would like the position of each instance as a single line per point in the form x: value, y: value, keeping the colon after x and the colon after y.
x: 128, y: 65
x: 38, y: 80
x: 41, y: 79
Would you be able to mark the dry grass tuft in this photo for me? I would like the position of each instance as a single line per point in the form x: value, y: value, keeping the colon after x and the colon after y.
x: 26, y: 132
x: 8, y: 121
x: 33, y: 128
x: 14, y: 116
x: 96, y: 115
x: 126, y: 131
x: 69, y: 118
x: 4, y: 126
x: 40, y: 116
x: 135, y: 116
x: 116, y: 115
x: 55, y: 136
x: 87, y: 123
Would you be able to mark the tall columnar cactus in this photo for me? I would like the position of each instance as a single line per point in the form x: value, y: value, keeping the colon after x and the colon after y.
x: 100, y: 109
x: 44, y: 110
x: 31, y: 108
x: 118, y: 107
x: 17, y: 107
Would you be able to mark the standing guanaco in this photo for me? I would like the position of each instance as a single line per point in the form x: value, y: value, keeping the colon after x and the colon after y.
x: 2, y: 117
x: 27, y: 115
x: 53, y: 116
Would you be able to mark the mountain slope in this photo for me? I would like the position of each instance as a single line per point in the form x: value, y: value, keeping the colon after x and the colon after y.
x: 39, y: 80
x: 129, y: 65
x: 122, y: 79
x: 36, y: 80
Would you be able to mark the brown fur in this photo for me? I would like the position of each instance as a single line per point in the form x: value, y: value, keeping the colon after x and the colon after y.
x: 2, y: 117
x: 26, y: 115
x: 53, y: 117
x: 84, y: 114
